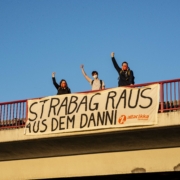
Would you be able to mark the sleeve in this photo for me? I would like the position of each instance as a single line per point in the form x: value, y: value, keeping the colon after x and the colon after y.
x: 116, y: 66
x: 90, y: 82
x: 55, y: 83
x: 69, y: 90
x: 103, y: 84
x: 131, y: 78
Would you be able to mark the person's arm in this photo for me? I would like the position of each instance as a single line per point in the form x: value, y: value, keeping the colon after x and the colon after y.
x: 118, y: 69
x: 84, y: 74
x: 103, y: 85
x: 131, y: 78
x: 54, y: 80
x: 69, y: 90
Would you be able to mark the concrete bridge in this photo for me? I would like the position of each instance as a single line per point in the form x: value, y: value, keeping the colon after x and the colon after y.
x: 107, y: 152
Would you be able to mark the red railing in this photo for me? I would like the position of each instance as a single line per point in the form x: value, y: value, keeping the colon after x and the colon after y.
x: 13, y: 114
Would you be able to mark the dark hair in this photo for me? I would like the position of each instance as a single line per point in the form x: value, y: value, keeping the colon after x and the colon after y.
x: 93, y: 72
x: 124, y: 62
x: 61, y: 82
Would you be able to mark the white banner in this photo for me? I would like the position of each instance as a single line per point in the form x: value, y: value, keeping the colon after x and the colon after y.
x: 111, y: 108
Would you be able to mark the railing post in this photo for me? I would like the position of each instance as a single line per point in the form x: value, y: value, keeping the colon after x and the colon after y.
x: 26, y: 111
x: 162, y: 97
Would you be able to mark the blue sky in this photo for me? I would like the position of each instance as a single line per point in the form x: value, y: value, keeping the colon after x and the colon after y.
x: 38, y: 37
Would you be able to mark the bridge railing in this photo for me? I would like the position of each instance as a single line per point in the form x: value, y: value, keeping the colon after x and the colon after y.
x: 13, y: 114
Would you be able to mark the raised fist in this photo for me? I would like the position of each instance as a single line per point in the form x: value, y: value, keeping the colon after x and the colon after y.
x: 112, y: 54
x: 53, y: 74
x: 82, y: 66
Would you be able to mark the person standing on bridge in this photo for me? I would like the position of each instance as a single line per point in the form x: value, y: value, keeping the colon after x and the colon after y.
x: 126, y: 76
x: 96, y: 83
x: 62, y: 87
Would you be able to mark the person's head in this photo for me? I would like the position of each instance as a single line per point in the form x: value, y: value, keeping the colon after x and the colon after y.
x: 95, y: 74
x: 63, y: 83
x: 124, y: 66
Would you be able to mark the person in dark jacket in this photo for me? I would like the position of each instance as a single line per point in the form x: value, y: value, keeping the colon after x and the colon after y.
x: 126, y: 76
x: 62, y: 87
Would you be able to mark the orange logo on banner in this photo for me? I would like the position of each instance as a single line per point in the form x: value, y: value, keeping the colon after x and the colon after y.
x: 122, y: 119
